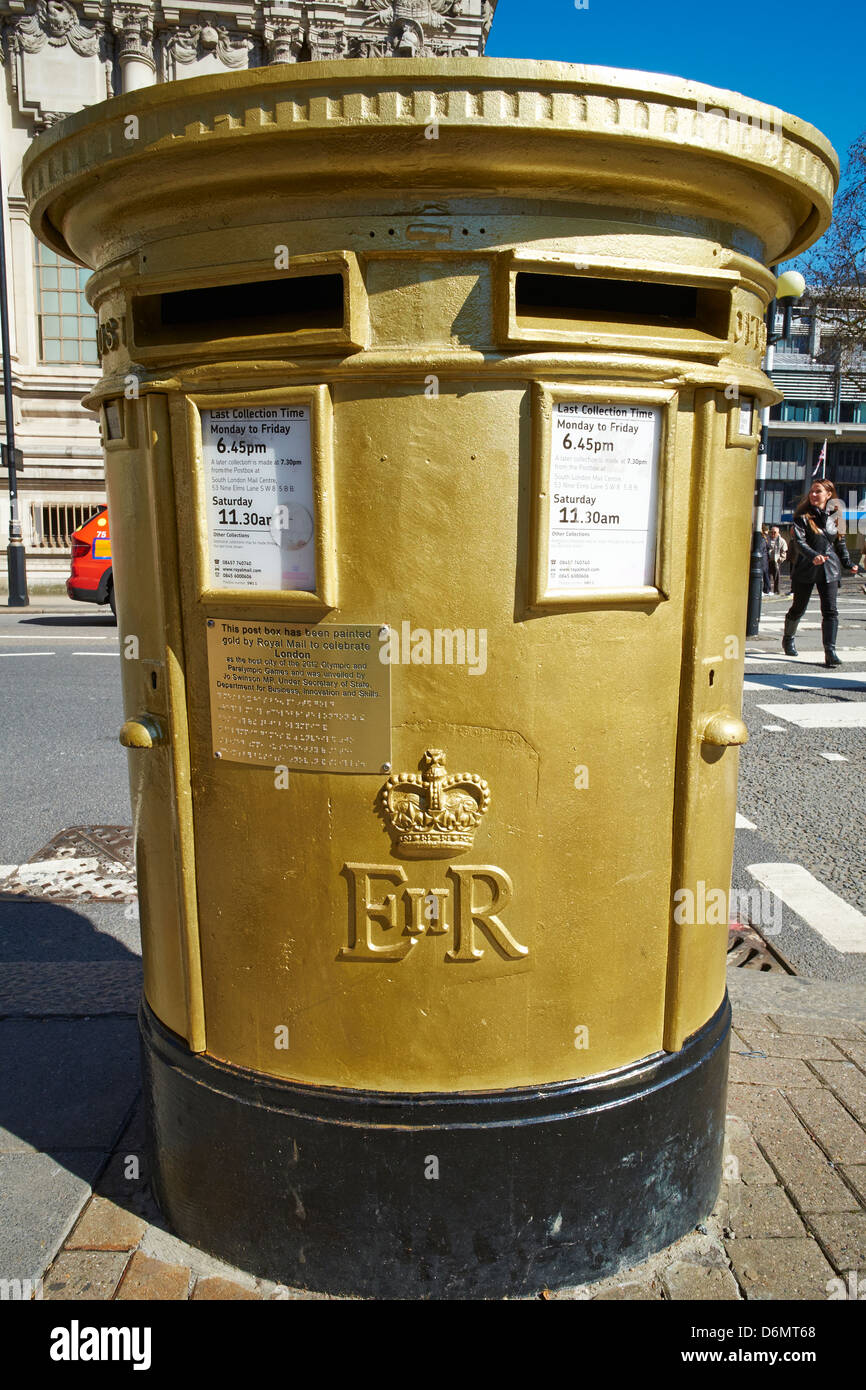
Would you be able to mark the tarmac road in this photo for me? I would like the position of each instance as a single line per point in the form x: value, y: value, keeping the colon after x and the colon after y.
x: 803, y: 787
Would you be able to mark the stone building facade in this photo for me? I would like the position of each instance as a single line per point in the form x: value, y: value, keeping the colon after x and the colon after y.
x: 59, y: 56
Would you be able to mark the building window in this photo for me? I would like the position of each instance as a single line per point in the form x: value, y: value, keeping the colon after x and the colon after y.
x: 774, y: 500
x: 788, y: 448
x: 809, y: 412
x: 785, y: 470
x: 796, y: 343
x: 67, y: 324
x: 850, y: 463
x: 52, y: 523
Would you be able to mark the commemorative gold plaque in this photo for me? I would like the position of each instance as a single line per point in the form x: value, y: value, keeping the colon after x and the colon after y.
x: 309, y: 698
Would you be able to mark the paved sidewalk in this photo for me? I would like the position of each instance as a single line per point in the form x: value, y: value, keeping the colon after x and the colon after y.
x: 790, y: 1222
x: 48, y: 601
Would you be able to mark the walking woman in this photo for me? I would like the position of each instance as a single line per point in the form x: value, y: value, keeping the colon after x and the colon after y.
x: 821, y: 557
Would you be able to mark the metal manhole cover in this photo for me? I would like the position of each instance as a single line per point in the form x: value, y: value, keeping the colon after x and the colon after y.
x: 748, y: 950
x: 105, y: 841
x: 83, y: 863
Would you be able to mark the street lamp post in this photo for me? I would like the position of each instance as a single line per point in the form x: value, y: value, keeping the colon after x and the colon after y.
x: 789, y: 286
x: 16, y: 563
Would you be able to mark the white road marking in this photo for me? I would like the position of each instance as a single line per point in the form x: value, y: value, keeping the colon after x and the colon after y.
x: 842, y: 716
x: 855, y: 655
x: 834, y: 757
x: 28, y: 653
x: 840, y: 924
x: 45, y: 868
x: 852, y: 680
x: 774, y: 728
x: 774, y: 625
x: 83, y: 877
x: 775, y: 620
x: 55, y: 637
x: 742, y: 824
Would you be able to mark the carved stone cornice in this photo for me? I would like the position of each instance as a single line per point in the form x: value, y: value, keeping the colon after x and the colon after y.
x: 179, y: 35
x: 190, y: 42
x: 56, y: 23
x: 133, y: 27
x: 41, y: 43
x: 284, y: 40
x: 409, y: 29
x: 326, y: 39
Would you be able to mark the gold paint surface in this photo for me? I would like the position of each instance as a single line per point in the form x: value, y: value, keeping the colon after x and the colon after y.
x: 312, y: 699
x: 395, y: 929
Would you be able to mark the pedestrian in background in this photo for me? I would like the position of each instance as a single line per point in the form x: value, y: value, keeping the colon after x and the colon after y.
x: 792, y: 560
x: 821, y: 557
x: 765, y: 561
x: 778, y: 550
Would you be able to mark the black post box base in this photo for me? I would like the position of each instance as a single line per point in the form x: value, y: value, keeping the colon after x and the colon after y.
x: 484, y: 1194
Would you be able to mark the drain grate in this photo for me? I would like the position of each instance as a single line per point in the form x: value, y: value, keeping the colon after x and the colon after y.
x: 105, y: 841
x: 83, y: 863
x: 748, y: 950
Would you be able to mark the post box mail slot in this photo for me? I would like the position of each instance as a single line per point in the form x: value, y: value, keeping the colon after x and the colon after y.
x: 563, y: 301
x: 310, y: 301
x: 284, y: 306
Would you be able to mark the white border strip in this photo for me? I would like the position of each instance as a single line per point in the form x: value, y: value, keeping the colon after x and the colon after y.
x: 840, y: 924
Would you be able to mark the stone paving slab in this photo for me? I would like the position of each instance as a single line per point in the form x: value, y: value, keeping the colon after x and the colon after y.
x: 831, y: 1125
x: 855, y: 1052
x: 41, y: 989
x: 849, y: 1084
x: 106, y: 1226
x: 84, y: 1274
x: 147, y: 1279
x: 799, y: 1163
x: 804, y: 1005
x: 214, y: 1288
x: 855, y: 1175
x: 814, y: 1024
x: 758, y: 1212
x: 688, y: 1281
x: 33, y: 930
x: 744, y: 1161
x: 805, y: 1045
x: 843, y: 1238
x: 747, y: 1018
x: 781, y: 1269
x: 772, y: 1071
x: 66, y: 1084
x: 41, y: 1195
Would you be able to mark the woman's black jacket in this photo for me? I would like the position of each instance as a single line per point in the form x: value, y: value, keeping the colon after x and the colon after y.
x: 826, y: 541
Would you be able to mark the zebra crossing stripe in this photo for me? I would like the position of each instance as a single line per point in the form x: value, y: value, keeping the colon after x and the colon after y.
x: 791, y: 680
x: 844, y: 715
x: 841, y: 925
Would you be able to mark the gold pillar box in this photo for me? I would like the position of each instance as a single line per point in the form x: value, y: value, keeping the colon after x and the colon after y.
x: 431, y: 397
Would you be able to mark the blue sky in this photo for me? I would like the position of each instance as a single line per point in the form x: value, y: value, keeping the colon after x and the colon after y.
x: 738, y: 44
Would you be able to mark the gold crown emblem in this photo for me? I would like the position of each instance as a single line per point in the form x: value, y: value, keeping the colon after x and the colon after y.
x: 434, y: 813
